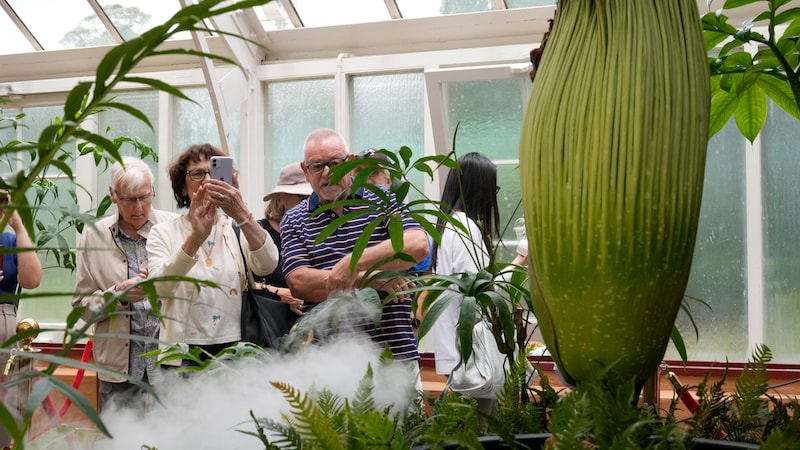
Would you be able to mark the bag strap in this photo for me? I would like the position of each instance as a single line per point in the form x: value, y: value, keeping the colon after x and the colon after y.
x: 250, y: 280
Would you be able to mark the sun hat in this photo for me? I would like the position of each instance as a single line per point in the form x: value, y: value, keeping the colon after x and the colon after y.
x: 291, y: 180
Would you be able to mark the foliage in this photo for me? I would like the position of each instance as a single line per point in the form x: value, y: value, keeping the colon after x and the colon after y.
x: 49, y: 153
x: 750, y: 414
x: 325, y: 421
x: 741, y: 81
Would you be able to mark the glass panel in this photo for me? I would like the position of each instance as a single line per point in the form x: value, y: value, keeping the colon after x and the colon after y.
x: 527, y: 3
x: 320, y: 13
x: 781, y: 164
x: 66, y: 23
x: 294, y: 109
x: 51, y: 309
x: 11, y: 39
x: 117, y: 124
x: 718, y: 267
x: 8, y: 133
x: 273, y: 17
x: 196, y: 124
x: 36, y: 120
x: 426, y: 8
x: 388, y: 112
x: 488, y: 114
x: 133, y: 17
x: 509, y: 202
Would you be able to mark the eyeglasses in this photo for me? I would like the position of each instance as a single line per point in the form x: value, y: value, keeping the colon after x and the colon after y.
x: 198, y: 174
x: 145, y: 199
x: 496, y: 190
x: 319, y: 167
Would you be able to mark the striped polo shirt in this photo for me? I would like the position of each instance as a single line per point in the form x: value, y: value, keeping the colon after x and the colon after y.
x: 300, y: 227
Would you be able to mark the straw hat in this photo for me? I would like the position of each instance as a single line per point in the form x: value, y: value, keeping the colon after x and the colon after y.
x: 291, y: 180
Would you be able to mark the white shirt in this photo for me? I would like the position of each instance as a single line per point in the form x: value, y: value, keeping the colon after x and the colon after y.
x: 457, y: 253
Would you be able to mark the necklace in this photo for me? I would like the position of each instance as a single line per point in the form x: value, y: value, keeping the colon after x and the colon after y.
x: 209, y: 247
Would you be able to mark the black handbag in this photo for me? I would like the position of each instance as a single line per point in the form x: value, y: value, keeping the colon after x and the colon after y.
x: 265, y: 318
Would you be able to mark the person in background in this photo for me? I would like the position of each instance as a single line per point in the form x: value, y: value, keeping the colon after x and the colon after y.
x: 379, y: 176
x: 473, y: 203
x: 315, y: 271
x: 111, y: 257
x: 292, y: 188
x: 18, y: 269
x: 202, y: 244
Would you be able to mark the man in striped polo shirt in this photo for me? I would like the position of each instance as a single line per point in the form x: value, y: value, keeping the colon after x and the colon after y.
x: 315, y: 272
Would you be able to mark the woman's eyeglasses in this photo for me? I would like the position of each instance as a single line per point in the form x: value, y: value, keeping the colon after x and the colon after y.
x: 198, y: 174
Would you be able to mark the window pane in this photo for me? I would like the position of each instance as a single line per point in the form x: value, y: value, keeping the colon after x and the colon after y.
x: 426, y: 8
x: 320, y: 13
x: 58, y: 232
x: 36, y: 120
x: 8, y: 133
x: 54, y: 309
x: 196, y: 124
x: 387, y: 112
x: 11, y: 39
x: 527, y: 3
x: 133, y: 17
x: 119, y: 124
x: 294, y: 109
x: 781, y: 164
x: 488, y: 114
x: 718, y: 267
x: 66, y: 23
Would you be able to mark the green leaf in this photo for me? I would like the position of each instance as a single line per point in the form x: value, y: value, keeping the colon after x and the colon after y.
x: 751, y: 112
x: 680, y: 346
x: 781, y: 93
x: 75, y: 100
x: 396, y: 232
x: 723, y: 105
x: 158, y: 85
x: 467, y: 317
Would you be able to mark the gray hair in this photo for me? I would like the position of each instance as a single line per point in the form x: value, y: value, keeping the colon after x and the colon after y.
x: 131, y: 175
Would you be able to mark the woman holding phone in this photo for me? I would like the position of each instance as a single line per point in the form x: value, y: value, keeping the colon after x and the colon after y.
x: 202, y: 244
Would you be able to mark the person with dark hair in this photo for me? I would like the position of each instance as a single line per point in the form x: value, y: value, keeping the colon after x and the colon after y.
x: 202, y: 244
x: 474, y: 204
x: 110, y: 257
x: 292, y: 188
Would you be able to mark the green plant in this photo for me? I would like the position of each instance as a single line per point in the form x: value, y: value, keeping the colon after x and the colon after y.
x: 750, y: 414
x: 324, y: 420
x: 612, y: 152
x: 49, y: 152
x: 741, y: 81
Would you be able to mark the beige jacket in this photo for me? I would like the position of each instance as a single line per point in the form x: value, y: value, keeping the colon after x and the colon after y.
x: 101, y: 264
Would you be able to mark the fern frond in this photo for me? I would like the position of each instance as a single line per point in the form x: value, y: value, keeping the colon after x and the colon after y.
x: 310, y: 423
x: 364, y: 400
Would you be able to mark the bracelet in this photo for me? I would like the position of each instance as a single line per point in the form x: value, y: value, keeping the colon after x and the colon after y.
x: 245, y: 221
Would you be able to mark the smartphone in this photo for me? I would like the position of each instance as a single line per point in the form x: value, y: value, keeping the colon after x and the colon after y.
x: 222, y: 168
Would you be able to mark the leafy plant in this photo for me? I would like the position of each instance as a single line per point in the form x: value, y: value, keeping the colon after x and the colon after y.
x: 612, y: 158
x: 750, y: 414
x: 326, y: 421
x: 49, y: 153
x: 741, y: 81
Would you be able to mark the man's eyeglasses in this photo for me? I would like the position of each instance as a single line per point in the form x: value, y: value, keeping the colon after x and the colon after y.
x: 145, y: 199
x: 198, y: 174
x: 319, y: 167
